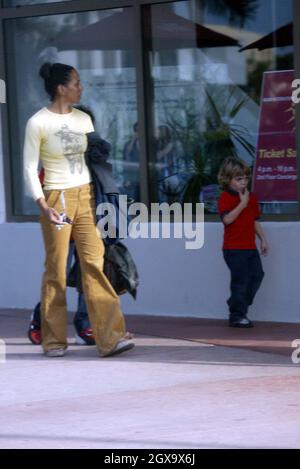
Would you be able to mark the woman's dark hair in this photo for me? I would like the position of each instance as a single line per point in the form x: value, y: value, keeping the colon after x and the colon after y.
x: 55, y: 75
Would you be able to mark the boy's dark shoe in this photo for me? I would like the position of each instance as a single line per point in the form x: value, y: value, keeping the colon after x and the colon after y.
x: 34, y: 333
x: 34, y: 330
x: 85, y: 337
x: 243, y: 323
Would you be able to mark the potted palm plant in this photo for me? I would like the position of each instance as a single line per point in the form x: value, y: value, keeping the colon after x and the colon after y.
x: 216, y: 143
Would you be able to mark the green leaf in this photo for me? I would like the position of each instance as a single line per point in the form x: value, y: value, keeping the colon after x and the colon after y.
x: 236, y: 108
x: 245, y: 144
x: 214, y: 109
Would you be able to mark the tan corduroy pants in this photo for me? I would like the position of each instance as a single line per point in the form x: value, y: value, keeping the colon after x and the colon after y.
x: 103, y: 303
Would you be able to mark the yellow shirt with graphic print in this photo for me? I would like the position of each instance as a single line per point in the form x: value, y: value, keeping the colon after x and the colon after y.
x: 58, y: 142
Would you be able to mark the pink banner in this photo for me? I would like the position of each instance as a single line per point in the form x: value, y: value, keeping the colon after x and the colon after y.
x: 275, y: 173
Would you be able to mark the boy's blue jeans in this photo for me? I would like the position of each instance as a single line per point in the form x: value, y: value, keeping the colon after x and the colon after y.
x: 246, y: 276
x: 81, y: 319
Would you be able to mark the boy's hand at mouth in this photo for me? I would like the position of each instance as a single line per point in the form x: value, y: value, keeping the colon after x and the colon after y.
x: 244, y: 197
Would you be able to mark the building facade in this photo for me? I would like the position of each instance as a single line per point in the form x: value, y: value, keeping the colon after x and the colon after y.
x: 175, y: 87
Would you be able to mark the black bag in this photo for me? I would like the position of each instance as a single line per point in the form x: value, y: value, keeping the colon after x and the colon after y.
x: 119, y: 268
x: 105, y: 188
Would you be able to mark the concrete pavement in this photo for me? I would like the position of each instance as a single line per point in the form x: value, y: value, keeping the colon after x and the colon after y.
x: 165, y: 393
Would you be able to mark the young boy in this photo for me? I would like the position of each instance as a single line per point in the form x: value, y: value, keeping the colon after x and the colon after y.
x: 239, y: 211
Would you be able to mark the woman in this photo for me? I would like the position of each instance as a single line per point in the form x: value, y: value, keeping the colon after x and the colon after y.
x: 166, y: 156
x: 56, y: 136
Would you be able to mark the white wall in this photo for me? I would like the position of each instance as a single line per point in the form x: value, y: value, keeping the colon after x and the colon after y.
x: 2, y: 196
x: 174, y: 281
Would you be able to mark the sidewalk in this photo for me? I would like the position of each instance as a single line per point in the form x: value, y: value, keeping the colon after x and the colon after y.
x: 166, y: 393
x: 269, y: 337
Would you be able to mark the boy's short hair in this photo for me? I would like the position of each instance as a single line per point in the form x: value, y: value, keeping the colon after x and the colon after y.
x: 232, y: 167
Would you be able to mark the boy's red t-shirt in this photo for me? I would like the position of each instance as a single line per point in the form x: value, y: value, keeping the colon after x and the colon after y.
x: 42, y: 175
x: 241, y: 233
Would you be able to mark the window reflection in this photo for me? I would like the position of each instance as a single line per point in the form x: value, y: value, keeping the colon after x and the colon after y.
x: 14, y: 3
x: 99, y: 45
x: 205, y: 91
x: 207, y: 75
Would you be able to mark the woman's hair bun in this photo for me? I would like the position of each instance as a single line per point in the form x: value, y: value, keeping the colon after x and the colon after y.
x: 45, y: 70
x: 54, y: 75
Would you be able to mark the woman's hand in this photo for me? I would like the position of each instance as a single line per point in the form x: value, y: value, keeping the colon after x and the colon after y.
x: 49, y: 212
x: 53, y: 216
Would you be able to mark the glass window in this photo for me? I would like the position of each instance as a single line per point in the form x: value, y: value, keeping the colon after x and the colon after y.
x: 221, y: 85
x: 14, y: 3
x: 99, y: 45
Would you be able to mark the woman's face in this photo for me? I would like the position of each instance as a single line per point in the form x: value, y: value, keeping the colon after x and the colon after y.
x: 73, y: 89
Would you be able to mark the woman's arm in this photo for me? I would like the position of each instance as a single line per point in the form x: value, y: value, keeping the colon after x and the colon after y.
x: 164, y: 151
x: 31, y: 157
